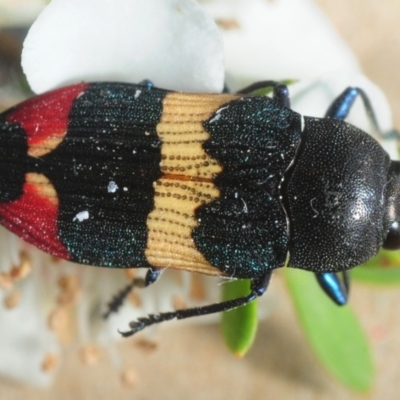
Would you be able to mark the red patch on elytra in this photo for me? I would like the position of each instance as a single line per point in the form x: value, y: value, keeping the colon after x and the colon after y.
x: 46, y: 115
x: 33, y: 217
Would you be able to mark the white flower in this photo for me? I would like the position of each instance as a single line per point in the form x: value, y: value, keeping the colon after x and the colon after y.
x: 172, y: 42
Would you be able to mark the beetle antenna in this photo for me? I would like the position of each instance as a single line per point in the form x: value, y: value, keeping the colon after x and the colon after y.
x: 258, y: 287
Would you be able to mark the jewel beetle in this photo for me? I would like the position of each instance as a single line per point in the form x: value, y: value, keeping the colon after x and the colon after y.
x: 128, y: 175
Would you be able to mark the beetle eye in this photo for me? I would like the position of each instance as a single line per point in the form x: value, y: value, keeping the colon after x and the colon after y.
x: 392, y: 241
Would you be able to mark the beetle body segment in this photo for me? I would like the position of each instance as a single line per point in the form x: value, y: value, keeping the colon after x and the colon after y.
x: 123, y: 175
x: 337, y: 197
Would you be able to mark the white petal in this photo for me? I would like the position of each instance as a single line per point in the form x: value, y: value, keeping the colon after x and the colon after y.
x: 285, y: 39
x: 174, y: 43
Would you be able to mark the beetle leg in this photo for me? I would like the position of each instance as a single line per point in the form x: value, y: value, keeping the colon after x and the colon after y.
x: 336, y: 289
x: 342, y: 105
x: 280, y: 91
x: 258, y: 287
x: 116, y: 302
x: 146, y: 82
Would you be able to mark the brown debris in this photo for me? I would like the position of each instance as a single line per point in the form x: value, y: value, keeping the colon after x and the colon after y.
x: 13, y: 299
x: 178, y: 302
x: 24, y: 268
x: 129, y: 378
x: 149, y: 346
x: 197, y: 290
x: 227, y: 24
x: 130, y: 273
x: 58, y: 319
x: 6, y: 281
x: 50, y: 362
x: 135, y: 299
x: 89, y: 354
x: 70, y: 291
x: 68, y: 283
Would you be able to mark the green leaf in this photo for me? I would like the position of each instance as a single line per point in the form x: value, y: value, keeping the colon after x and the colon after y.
x: 239, y: 326
x: 333, y: 332
x: 383, y: 269
x: 266, y: 91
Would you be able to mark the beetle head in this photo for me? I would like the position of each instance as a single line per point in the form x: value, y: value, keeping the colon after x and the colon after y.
x: 392, y: 240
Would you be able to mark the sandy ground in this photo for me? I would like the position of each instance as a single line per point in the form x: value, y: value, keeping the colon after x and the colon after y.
x: 192, y: 362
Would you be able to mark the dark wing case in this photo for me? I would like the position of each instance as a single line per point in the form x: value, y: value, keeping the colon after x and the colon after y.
x: 123, y: 175
x: 244, y: 231
x: 78, y: 168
